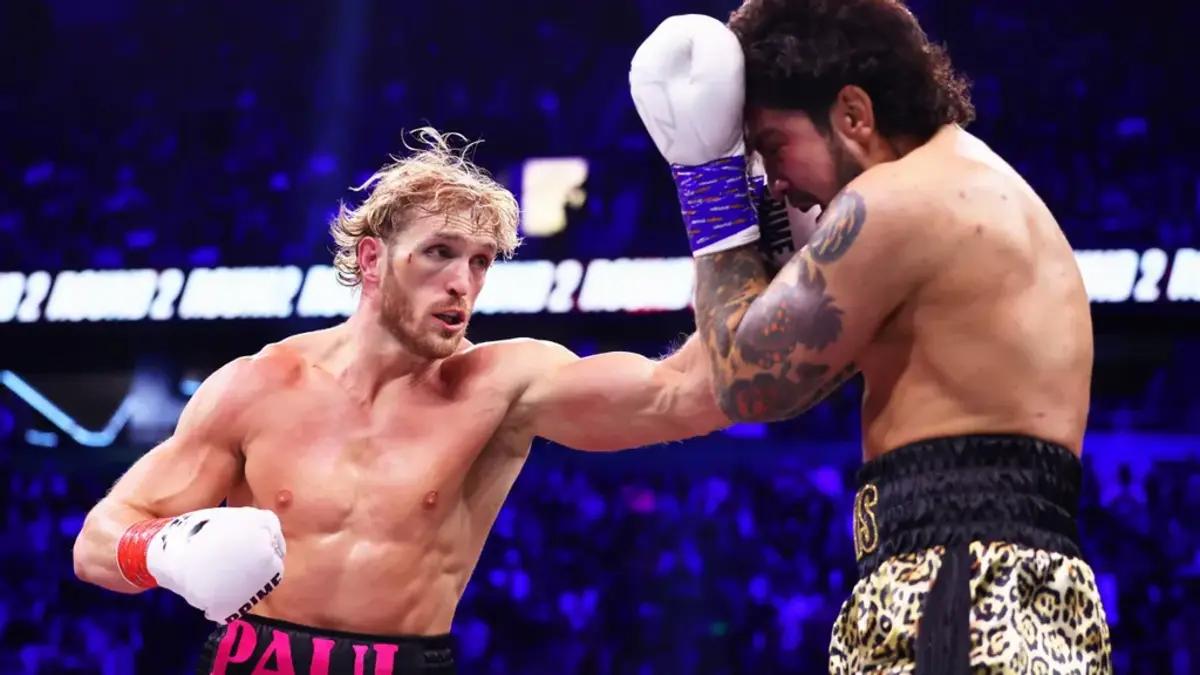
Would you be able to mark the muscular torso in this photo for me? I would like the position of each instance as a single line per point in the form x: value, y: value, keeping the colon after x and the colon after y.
x: 385, y: 506
x: 998, y: 338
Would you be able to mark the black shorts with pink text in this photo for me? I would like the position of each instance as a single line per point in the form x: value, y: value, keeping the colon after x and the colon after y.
x: 254, y: 645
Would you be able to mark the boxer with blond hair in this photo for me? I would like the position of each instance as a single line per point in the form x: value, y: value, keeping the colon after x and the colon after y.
x: 362, y: 466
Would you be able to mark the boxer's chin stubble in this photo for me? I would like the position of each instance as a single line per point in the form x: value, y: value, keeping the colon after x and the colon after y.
x: 398, y: 317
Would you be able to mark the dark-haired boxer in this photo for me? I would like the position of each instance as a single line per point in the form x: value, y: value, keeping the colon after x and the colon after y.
x: 937, y: 273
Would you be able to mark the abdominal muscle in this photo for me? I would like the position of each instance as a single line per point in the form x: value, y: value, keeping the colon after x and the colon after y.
x: 351, y: 581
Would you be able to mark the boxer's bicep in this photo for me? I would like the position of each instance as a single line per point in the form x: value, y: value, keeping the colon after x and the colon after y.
x: 779, y: 350
x: 196, y: 466
x: 192, y: 469
x: 619, y: 400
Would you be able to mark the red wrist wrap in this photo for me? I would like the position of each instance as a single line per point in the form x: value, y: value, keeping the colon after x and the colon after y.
x: 131, y: 551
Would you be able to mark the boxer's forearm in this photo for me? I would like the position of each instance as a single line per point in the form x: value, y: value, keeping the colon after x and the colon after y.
x: 95, y: 551
x: 727, y: 284
x: 697, y: 382
x: 755, y: 332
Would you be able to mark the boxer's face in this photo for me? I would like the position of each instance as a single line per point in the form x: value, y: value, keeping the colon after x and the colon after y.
x: 434, y: 271
x: 805, y: 164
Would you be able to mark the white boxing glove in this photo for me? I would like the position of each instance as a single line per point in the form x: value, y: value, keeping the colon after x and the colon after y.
x: 222, y: 560
x: 687, y: 82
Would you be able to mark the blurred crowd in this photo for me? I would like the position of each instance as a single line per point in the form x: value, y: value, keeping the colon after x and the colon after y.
x: 141, y: 133
x: 637, y: 566
x: 184, y: 134
x: 180, y: 134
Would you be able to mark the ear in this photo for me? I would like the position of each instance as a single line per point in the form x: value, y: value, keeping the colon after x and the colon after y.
x: 371, y: 253
x: 853, y: 114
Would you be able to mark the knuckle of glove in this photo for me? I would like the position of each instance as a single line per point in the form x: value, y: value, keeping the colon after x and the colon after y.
x: 687, y: 85
x: 231, y: 586
x: 237, y: 547
x: 225, y: 560
x: 274, y: 529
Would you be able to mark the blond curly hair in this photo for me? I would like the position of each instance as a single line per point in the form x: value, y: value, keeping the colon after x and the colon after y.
x: 437, y: 177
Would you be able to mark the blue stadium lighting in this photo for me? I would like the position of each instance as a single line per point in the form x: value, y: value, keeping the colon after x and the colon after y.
x: 188, y: 386
x: 43, y: 439
x: 747, y: 430
x: 60, y: 419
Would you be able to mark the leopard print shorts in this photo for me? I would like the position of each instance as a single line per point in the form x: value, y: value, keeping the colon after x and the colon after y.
x: 1030, y: 612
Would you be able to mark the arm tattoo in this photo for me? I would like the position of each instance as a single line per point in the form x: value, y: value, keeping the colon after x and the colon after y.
x: 839, y: 227
x: 758, y: 332
x: 787, y: 314
x: 767, y: 396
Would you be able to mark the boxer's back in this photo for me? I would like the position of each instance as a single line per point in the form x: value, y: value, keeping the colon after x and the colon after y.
x: 998, y: 338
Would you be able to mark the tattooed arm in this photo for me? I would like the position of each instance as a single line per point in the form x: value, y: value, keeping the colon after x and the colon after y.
x: 780, y: 346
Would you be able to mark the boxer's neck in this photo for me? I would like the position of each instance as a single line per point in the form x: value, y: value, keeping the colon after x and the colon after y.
x: 365, y: 356
x: 902, y: 145
x: 886, y: 149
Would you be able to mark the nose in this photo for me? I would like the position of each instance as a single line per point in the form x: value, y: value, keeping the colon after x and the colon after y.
x: 458, y: 279
x: 778, y: 188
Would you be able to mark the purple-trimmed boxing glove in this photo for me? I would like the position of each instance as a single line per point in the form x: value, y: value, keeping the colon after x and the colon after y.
x: 687, y: 84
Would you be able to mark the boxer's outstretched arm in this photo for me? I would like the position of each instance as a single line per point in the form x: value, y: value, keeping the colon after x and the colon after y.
x: 779, y: 346
x: 192, y: 469
x: 620, y: 400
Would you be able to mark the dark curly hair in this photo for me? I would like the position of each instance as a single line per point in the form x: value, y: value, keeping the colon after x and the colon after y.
x: 800, y: 53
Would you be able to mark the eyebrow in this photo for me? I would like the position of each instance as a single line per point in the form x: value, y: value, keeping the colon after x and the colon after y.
x: 463, y: 239
x: 763, y: 136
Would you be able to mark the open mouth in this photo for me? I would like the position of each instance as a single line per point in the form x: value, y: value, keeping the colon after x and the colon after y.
x: 452, y: 318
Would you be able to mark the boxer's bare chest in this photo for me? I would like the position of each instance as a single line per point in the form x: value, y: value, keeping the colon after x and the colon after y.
x: 327, y: 463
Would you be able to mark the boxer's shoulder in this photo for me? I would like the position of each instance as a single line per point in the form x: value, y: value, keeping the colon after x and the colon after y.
x: 276, y: 365
x: 511, y: 365
x: 518, y: 358
x: 888, y: 211
x: 248, y: 379
x: 284, y: 364
x: 219, y: 405
x: 959, y: 172
x: 929, y: 200
x: 894, y: 190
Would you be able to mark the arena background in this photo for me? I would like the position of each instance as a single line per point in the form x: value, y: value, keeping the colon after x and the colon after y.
x: 167, y: 170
